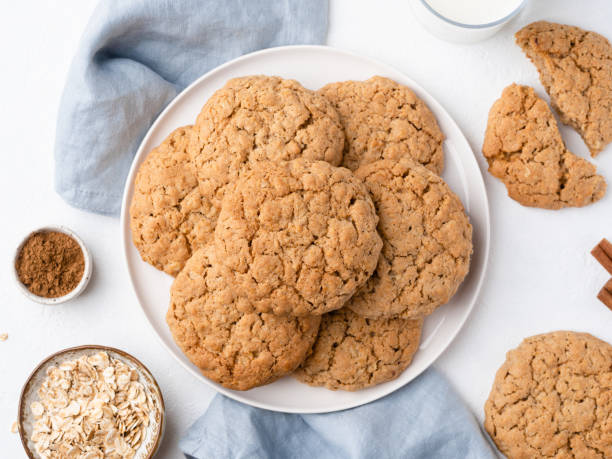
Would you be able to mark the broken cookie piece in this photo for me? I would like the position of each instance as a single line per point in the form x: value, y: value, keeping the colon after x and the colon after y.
x: 575, y: 67
x: 525, y: 150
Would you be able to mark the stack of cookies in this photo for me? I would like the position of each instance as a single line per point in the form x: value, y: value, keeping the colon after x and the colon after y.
x: 309, y: 232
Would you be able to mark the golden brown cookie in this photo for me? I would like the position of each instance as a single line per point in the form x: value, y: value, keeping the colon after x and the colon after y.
x: 427, y: 241
x: 352, y: 352
x: 236, y: 349
x: 261, y: 118
x: 525, y: 150
x: 575, y: 67
x: 385, y: 120
x: 552, y: 397
x: 169, y: 216
x: 298, y: 236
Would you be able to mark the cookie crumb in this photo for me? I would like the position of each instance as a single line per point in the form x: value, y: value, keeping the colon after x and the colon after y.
x: 3, y: 336
x: 14, y: 427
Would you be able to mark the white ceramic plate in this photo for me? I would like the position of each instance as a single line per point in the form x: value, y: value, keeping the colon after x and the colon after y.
x: 315, y: 66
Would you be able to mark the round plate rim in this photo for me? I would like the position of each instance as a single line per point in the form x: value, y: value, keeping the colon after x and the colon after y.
x: 281, y: 49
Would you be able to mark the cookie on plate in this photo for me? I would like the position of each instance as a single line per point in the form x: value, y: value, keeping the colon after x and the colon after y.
x: 383, y: 119
x: 353, y: 352
x: 299, y: 237
x: 525, y: 150
x: 261, y: 118
x: 427, y: 241
x: 236, y: 349
x: 552, y: 397
x: 575, y: 67
x: 169, y: 216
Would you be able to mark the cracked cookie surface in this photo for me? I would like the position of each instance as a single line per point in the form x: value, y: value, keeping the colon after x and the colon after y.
x: 427, y: 241
x: 383, y: 119
x: 525, y: 150
x: 353, y: 352
x: 260, y: 118
x: 169, y: 215
x: 575, y: 67
x: 237, y: 349
x: 552, y: 397
x: 299, y: 237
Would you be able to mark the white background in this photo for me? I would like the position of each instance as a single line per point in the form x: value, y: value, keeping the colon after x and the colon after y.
x: 541, y: 276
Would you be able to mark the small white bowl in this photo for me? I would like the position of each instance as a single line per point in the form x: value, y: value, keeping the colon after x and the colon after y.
x: 457, y: 32
x: 86, y: 270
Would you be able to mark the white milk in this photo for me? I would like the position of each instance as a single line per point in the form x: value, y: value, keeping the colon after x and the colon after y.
x: 474, y: 12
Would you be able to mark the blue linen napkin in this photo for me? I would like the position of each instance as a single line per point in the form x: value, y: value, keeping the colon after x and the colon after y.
x: 134, y: 58
x: 425, y: 419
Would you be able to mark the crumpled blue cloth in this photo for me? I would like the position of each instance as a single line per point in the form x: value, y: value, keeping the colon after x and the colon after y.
x: 424, y: 419
x: 134, y: 58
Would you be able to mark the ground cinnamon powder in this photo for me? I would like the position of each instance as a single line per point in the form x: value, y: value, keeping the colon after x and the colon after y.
x: 50, y: 264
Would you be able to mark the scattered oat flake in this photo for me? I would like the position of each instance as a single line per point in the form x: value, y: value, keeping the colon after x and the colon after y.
x: 14, y: 427
x: 3, y: 336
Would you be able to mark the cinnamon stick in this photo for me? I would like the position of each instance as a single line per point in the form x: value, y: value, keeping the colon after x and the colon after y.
x: 605, y: 294
x: 603, y: 254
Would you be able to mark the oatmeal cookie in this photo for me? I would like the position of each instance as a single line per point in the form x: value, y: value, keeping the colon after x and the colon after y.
x: 575, y: 67
x: 169, y: 215
x: 260, y: 118
x: 427, y: 241
x: 353, y: 352
x: 552, y: 397
x: 525, y: 150
x: 385, y: 120
x: 237, y: 349
x: 298, y: 236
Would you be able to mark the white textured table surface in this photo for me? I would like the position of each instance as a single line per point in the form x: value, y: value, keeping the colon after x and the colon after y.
x: 541, y: 276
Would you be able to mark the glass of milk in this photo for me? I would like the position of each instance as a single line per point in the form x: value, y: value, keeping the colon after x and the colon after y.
x: 465, y: 21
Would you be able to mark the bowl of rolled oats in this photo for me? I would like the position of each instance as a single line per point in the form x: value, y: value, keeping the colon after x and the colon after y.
x: 91, y: 402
